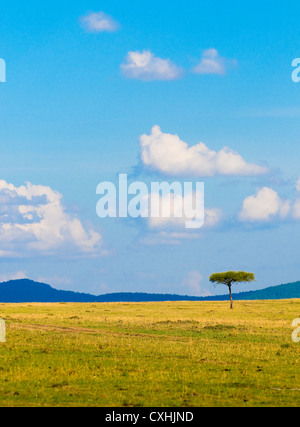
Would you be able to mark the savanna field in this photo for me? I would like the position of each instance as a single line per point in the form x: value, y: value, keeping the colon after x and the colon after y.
x: 180, y: 354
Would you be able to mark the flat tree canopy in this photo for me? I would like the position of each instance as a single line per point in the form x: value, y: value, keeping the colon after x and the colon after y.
x: 231, y: 277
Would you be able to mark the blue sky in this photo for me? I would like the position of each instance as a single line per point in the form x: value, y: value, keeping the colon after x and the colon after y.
x: 72, y: 113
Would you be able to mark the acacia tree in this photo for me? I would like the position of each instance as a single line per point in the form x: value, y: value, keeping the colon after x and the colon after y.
x: 231, y: 277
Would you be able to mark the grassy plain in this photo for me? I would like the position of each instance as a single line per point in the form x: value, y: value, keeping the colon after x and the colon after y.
x: 150, y: 354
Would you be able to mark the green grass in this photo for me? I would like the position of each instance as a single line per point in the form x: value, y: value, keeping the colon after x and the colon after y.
x: 150, y: 354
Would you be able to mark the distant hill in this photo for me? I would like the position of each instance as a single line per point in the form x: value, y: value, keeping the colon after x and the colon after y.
x: 24, y: 290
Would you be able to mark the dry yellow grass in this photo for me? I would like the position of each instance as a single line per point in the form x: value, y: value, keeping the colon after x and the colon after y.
x: 150, y: 354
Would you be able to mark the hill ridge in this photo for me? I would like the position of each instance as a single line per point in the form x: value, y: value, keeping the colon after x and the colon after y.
x: 29, y: 291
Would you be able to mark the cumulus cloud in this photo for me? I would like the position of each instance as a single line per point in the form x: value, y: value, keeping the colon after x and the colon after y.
x: 145, y: 66
x: 213, y: 63
x: 192, y: 283
x: 296, y: 206
x: 212, y: 217
x: 265, y: 205
x: 13, y: 276
x: 98, y: 22
x: 176, y: 206
x: 57, y: 282
x: 170, y: 155
x: 172, y: 230
x: 296, y: 209
x: 171, y: 210
x: 34, y: 220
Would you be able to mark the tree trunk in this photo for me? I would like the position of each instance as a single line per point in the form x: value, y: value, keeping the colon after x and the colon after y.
x: 231, y: 300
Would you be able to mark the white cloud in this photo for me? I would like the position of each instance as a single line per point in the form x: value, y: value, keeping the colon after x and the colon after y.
x: 296, y: 206
x: 97, y: 22
x: 13, y: 276
x: 173, y: 207
x: 296, y: 209
x: 145, y: 66
x: 168, y: 154
x: 176, y: 209
x: 172, y: 231
x: 213, y: 63
x: 265, y: 205
x: 192, y: 283
x: 211, y: 216
x: 33, y: 219
x: 57, y: 282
